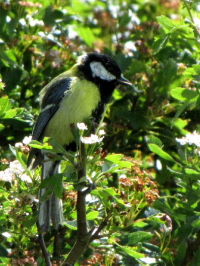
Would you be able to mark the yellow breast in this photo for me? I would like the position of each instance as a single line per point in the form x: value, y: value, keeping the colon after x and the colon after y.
x: 76, y: 106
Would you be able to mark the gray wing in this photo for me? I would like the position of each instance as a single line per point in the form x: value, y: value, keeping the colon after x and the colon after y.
x: 49, y: 107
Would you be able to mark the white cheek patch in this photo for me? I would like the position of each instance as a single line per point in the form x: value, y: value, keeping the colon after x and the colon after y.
x: 98, y: 70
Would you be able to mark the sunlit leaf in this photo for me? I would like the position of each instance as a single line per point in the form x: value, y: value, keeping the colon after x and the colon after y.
x: 141, y: 236
x: 1, y: 127
x: 92, y: 215
x: 87, y: 35
x: 156, y: 149
x: 160, y: 43
x: 165, y: 22
x: 10, y: 113
x: 183, y: 94
x: 4, y: 101
x: 154, y: 139
x: 114, y: 157
x: 131, y: 251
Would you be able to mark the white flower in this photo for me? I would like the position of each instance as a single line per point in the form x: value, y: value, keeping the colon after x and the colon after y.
x: 22, y: 21
x: 81, y: 126
x: 102, y: 132
x: 27, y: 140
x: 191, y: 139
x: 6, y: 175
x: 18, y: 145
x: 2, y: 84
x: 15, y: 169
x: 6, y: 234
x: 91, y: 140
x: 34, y: 22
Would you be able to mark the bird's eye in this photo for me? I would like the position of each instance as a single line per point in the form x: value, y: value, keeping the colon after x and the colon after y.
x: 109, y: 67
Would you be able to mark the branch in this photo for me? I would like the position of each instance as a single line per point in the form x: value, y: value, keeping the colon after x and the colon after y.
x: 43, y: 247
x: 83, y: 236
x: 96, y: 231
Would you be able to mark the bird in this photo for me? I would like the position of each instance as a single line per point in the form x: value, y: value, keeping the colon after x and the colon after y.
x: 80, y: 93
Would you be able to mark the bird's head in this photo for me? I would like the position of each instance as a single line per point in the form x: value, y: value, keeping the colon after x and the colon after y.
x: 100, y: 68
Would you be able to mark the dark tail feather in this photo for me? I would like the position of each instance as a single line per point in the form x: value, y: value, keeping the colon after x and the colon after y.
x: 50, y: 210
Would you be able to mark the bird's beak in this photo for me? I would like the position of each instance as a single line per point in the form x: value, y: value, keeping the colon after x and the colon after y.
x: 122, y: 80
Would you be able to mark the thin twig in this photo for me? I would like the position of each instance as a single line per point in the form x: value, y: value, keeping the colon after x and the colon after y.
x: 81, y: 203
x: 83, y: 237
x: 43, y: 247
x: 96, y: 231
x: 190, y: 15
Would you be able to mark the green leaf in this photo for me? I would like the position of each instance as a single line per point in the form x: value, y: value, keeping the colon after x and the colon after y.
x: 87, y: 35
x: 166, y: 23
x: 141, y: 236
x: 107, y: 195
x: 56, y: 146
x: 3, y: 251
x: 1, y: 127
x: 79, y: 7
x: 10, y: 113
x: 4, y: 102
x: 124, y: 20
x: 190, y: 171
x: 104, y: 192
x: 183, y: 94
x: 35, y: 144
x: 20, y: 157
x: 180, y: 110
x: 9, y: 56
x: 58, y: 186
x: 175, y: 173
x: 71, y: 225
x: 38, y: 145
x: 156, y: 149
x: 140, y: 223
x: 114, y: 162
x: 196, y: 223
x: 41, y: 262
x: 154, y: 139
x: 124, y: 164
x: 160, y: 43
x: 196, y: 69
x: 114, y: 157
x: 155, y: 219
x: 131, y: 251
x: 110, y: 191
x: 136, y: 67
x: 92, y: 215
x: 55, y: 182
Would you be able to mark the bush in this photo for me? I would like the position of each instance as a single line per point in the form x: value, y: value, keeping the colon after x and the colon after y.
x: 145, y: 208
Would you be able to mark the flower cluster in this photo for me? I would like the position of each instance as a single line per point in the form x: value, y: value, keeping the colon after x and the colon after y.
x: 92, y: 138
x: 191, y: 139
x: 31, y: 21
x: 14, y: 170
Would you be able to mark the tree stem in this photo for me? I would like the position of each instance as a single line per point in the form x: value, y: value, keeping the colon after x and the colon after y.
x: 83, y: 238
x: 43, y: 247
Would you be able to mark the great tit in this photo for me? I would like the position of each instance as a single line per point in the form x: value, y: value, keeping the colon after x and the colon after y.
x: 80, y: 93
